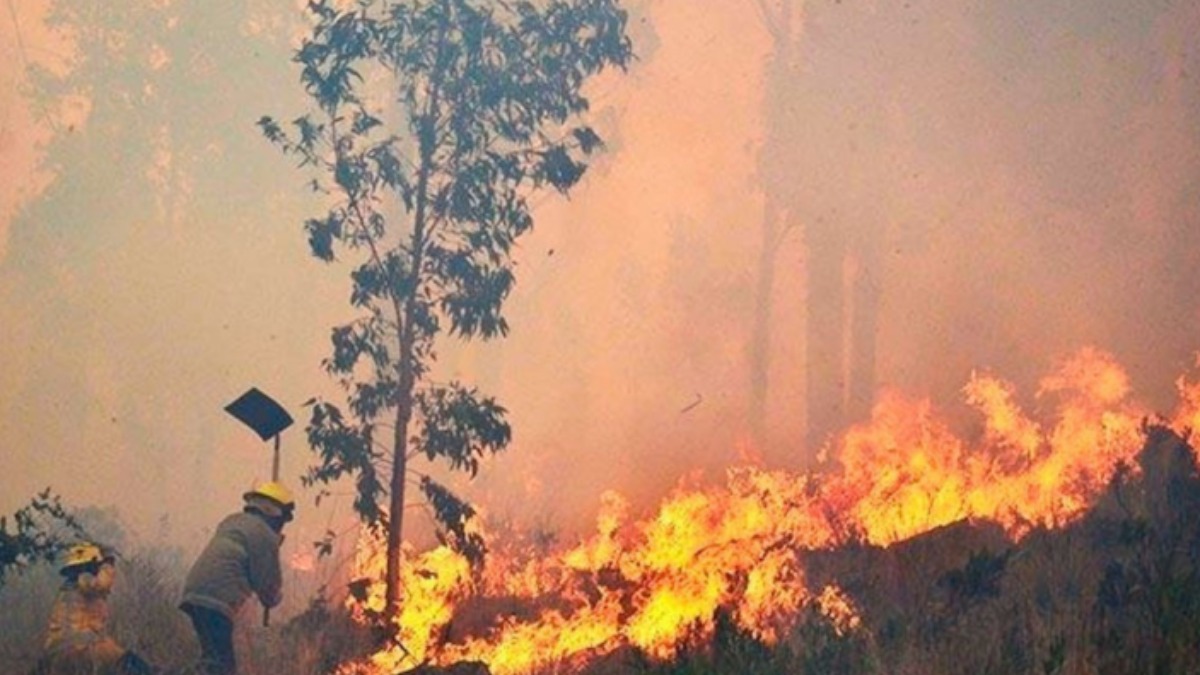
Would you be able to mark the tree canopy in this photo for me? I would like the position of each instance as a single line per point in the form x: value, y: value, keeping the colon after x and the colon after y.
x: 435, y: 121
x: 41, y: 530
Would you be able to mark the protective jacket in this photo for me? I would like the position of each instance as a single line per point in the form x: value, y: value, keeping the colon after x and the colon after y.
x: 77, y: 639
x: 241, y: 558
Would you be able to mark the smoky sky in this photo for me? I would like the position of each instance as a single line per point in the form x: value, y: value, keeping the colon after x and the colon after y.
x: 1026, y: 173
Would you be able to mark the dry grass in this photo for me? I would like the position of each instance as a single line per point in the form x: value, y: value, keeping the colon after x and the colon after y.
x: 1118, y: 592
x: 145, y: 618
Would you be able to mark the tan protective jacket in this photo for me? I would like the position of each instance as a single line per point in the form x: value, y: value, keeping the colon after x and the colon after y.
x: 241, y: 558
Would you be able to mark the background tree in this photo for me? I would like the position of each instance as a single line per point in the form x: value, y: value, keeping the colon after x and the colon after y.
x: 841, y: 223
x: 429, y: 198
x: 149, y: 153
x: 41, y: 530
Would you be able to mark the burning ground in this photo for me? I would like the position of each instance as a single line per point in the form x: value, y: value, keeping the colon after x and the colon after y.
x: 1055, y: 535
x: 901, y: 544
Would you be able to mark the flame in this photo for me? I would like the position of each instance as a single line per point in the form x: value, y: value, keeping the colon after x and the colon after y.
x: 657, y: 583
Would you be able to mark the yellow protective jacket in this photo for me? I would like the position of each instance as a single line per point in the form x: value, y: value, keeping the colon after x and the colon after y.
x: 77, y: 639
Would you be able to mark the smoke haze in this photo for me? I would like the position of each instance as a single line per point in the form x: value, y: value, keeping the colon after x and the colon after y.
x: 1028, y: 173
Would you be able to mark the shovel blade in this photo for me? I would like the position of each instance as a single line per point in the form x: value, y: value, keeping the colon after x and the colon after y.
x: 260, y: 412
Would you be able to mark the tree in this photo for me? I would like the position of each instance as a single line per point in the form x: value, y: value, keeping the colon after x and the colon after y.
x: 164, y: 85
x: 779, y: 216
x: 488, y: 100
x: 147, y: 154
x: 841, y: 228
x: 41, y: 530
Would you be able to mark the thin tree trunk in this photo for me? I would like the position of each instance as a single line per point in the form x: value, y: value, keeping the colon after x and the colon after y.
x: 825, y: 345
x: 396, y: 508
x: 864, y: 324
x: 407, y: 367
x: 773, y: 167
x: 760, y: 341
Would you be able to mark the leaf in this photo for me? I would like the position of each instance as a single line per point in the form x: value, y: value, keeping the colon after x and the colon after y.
x: 363, y: 123
x: 271, y: 130
x: 348, y: 174
x: 454, y: 515
x: 42, y: 530
x: 559, y: 169
x: 324, y: 545
x: 309, y: 133
x: 321, y: 235
x: 460, y: 426
x: 587, y: 139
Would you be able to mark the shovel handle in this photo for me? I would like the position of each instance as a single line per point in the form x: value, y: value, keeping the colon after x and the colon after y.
x: 274, y: 477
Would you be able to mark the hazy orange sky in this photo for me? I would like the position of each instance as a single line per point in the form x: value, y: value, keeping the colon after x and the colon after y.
x: 1031, y: 171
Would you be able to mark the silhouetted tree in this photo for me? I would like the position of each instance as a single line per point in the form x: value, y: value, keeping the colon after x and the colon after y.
x: 1148, y: 601
x: 146, y: 114
x: 429, y: 198
x: 41, y: 530
x: 164, y: 87
x: 841, y: 311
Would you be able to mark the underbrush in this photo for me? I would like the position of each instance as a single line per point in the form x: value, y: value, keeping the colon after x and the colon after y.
x: 1116, y: 592
x: 144, y: 617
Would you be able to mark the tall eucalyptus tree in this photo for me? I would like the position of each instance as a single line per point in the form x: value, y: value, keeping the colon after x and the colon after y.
x: 435, y: 120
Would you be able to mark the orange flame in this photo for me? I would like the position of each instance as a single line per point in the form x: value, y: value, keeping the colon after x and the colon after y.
x: 657, y: 583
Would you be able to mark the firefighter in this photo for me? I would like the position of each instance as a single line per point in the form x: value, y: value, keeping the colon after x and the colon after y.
x: 241, y: 558
x: 77, y: 639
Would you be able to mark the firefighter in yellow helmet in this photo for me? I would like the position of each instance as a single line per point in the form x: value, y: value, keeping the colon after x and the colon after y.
x: 77, y: 639
x: 241, y: 558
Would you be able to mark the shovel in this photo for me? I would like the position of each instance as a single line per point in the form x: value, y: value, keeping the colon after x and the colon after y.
x: 267, y: 418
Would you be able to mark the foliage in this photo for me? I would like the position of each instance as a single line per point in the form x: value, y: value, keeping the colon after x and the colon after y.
x: 41, y: 530
x: 1116, y: 592
x: 1147, y: 603
x: 429, y: 198
x: 160, y: 103
x: 978, y: 579
x: 814, y: 647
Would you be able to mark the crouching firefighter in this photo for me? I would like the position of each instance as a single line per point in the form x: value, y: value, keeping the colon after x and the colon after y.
x: 241, y: 558
x: 77, y: 639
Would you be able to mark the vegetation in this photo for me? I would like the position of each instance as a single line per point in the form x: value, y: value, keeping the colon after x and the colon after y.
x: 435, y: 121
x: 40, y: 531
x: 1117, y: 592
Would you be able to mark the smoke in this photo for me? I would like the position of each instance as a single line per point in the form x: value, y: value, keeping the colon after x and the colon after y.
x: 1025, y: 171
x: 1025, y: 175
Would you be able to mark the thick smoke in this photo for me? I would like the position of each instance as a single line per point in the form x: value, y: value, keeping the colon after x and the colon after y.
x: 1023, y: 175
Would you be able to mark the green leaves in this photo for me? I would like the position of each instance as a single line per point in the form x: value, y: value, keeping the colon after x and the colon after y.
x: 559, y: 169
x: 41, y: 530
x: 430, y: 190
x: 271, y: 130
x: 473, y: 290
x: 454, y: 514
x: 460, y: 426
x: 377, y: 280
x: 345, y: 449
x: 389, y: 169
x: 339, y: 40
x: 322, y: 233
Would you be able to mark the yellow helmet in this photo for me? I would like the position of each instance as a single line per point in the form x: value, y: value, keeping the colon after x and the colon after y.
x: 276, y: 492
x: 84, y: 554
